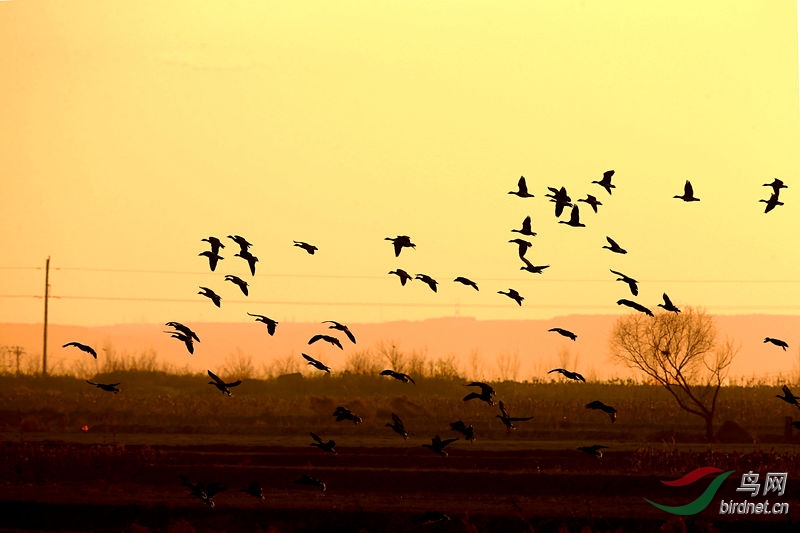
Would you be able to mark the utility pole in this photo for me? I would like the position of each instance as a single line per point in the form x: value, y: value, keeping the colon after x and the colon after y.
x: 46, y: 297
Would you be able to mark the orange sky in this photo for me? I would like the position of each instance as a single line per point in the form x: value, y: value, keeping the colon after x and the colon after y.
x: 134, y: 129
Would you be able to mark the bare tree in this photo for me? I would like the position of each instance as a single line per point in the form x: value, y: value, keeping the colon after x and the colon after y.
x: 508, y: 365
x: 680, y: 352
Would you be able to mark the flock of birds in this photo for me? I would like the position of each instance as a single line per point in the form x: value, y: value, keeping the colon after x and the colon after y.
x: 484, y: 392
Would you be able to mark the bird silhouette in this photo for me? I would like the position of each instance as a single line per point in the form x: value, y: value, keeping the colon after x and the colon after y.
x: 688, y: 193
x: 777, y: 342
x: 316, y: 364
x: 522, y: 189
x: 205, y: 492
x: 183, y: 329
x: 592, y: 201
x: 467, y: 430
x: 110, y: 387
x: 437, y: 445
x: 565, y: 332
x: 634, y: 305
x: 186, y: 339
x: 241, y: 241
x: 343, y: 413
x: 507, y: 420
x: 223, y: 387
x: 341, y: 327
x: 530, y: 267
x: 82, y: 347
x: 616, y: 248
x: 213, y: 258
x: 242, y: 284
x: 466, y: 281
x: 314, y: 482
x: 789, y: 397
x: 772, y: 202
x: 595, y: 450
x: 310, y: 248
x: 574, y: 219
x: 606, y: 181
x: 254, y: 489
x: 271, y: 324
x: 560, y: 198
x: 215, y: 243
x: 250, y: 258
x: 667, y: 305
x: 402, y: 274
x: 329, y: 446
x: 574, y: 376
x: 514, y: 295
x: 213, y: 296
x: 598, y: 405
x: 398, y: 426
x: 776, y: 185
x: 526, y: 228
x: 632, y: 283
x: 522, y: 246
x: 400, y: 242
x: 327, y: 338
x: 427, y: 280
x: 405, y: 378
x: 486, y: 395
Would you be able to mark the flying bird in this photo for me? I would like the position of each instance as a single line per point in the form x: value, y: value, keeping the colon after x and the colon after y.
x: 241, y: 241
x: 341, y: 327
x: 271, y: 324
x: 574, y: 376
x: 402, y: 274
x: 400, y: 242
x: 183, y: 329
x: 595, y: 450
x: 437, y: 445
x: 507, y: 420
x: 776, y: 185
x: 110, y: 387
x: 592, y: 201
x: 316, y: 364
x: 428, y: 280
x: 467, y: 430
x: 327, y: 338
x: 777, y: 342
x: 213, y: 296
x: 772, y: 202
x: 522, y: 189
x: 186, y: 339
x: 213, y: 258
x: 789, y: 397
x: 343, y: 413
x: 514, y: 295
x: 405, y: 378
x: 215, y: 243
x: 565, y: 332
x: 254, y: 490
x: 82, y: 347
x: 616, y: 248
x: 530, y: 267
x: 688, y: 193
x: 398, y: 426
x: 598, y: 405
x: 205, y: 492
x: 560, y: 198
x: 310, y: 248
x: 574, y: 218
x: 522, y: 245
x: 242, y: 284
x: 629, y: 280
x: 314, y: 482
x: 466, y: 281
x: 634, y: 305
x: 526, y: 228
x: 329, y: 446
x: 606, y: 181
x: 223, y: 387
x: 667, y: 305
x: 251, y: 260
x: 486, y: 395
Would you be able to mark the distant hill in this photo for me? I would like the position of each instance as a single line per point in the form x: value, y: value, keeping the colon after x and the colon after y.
x: 536, y: 349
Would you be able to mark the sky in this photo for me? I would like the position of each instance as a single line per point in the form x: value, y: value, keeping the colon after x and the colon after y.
x: 135, y: 129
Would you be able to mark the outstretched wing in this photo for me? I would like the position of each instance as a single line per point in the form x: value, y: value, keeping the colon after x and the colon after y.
x: 316, y: 437
x: 215, y: 378
x: 309, y: 358
x: 688, y: 189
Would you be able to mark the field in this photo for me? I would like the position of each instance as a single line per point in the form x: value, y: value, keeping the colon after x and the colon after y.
x: 122, y: 473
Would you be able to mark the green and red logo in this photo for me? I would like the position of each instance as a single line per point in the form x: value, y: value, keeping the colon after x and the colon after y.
x: 703, y: 500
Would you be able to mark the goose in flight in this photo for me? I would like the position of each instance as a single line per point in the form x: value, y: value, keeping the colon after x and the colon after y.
x: 564, y: 332
x: 789, y: 397
x: 329, y: 446
x: 205, y: 492
x: 667, y: 305
x: 254, y: 490
x: 574, y: 218
x: 213, y: 296
x: 223, y: 387
x: 514, y: 295
x: 428, y: 280
x: 402, y: 274
x: 574, y: 376
x: 242, y: 284
x: 467, y: 430
x: 341, y: 327
x: 316, y: 364
x: 400, y: 242
x: 777, y: 342
x: 271, y: 324
x: 327, y: 338
x: 530, y: 267
x: 776, y: 185
x: 110, y: 387
x: 186, y: 339
x: 522, y: 245
x: 595, y: 450
x: 629, y: 280
x: 241, y: 241
x: 560, y: 198
x: 437, y: 445
x: 616, y: 248
x: 592, y: 201
x: 82, y: 347
x: 486, y: 395
x: 398, y: 426
x: 251, y: 260
x: 522, y: 189
x: 399, y: 376
x: 310, y: 248
x: 215, y: 243
x: 772, y: 202
x: 507, y: 420
x: 526, y: 228
x: 213, y: 258
x: 688, y: 193
x: 343, y: 413
x: 466, y: 281
x: 598, y: 405
x: 314, y: 482
x: 183, y: 329
x: 634, y: 305
x: 606, y: 181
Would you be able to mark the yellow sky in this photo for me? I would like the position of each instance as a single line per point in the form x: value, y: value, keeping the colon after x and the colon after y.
x: 134, y: 129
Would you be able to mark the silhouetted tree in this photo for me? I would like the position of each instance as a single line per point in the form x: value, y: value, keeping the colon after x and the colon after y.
x: 680, y: 352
